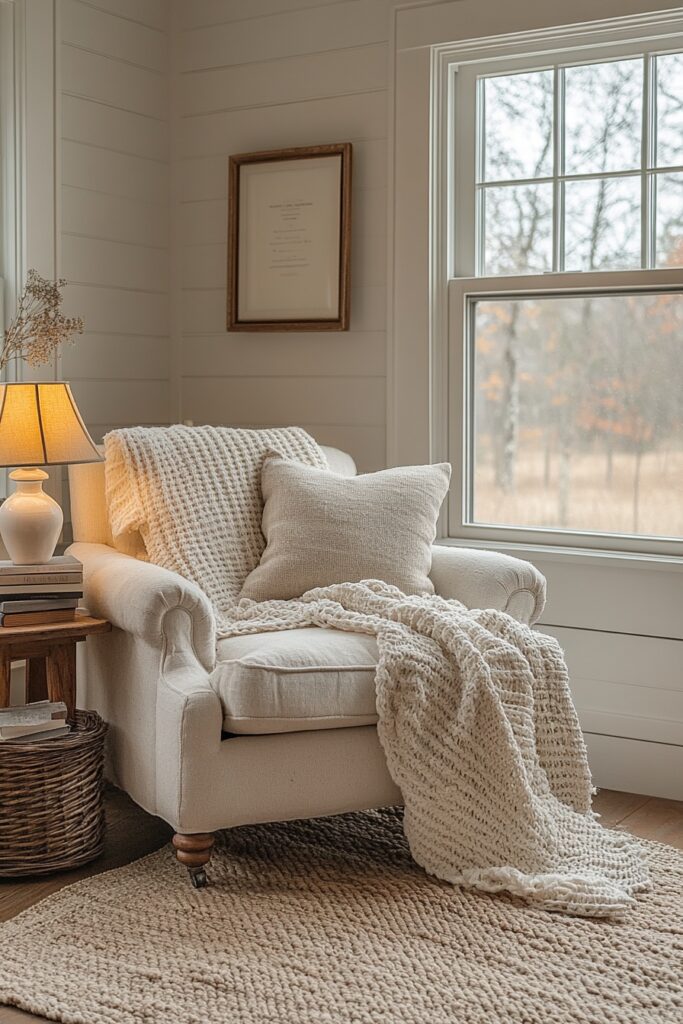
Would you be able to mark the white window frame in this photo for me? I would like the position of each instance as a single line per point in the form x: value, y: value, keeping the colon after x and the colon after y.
x: 29, y: 155
x: 462, y: 93
x: 454, y: 82
x: 29, y: 137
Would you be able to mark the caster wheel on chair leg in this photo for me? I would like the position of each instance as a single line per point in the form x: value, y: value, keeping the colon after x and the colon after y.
x: 199, y: 879
x: 194, y: 851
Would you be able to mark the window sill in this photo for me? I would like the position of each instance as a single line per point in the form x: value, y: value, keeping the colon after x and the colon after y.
x: 569, y: 555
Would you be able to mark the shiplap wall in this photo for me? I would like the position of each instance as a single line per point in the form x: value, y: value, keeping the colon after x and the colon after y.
x: 265, y: 74
x: 148, y: 271
x: 114, y: 206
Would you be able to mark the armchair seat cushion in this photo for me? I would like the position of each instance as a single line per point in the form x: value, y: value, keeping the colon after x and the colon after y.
x: 296, y: 681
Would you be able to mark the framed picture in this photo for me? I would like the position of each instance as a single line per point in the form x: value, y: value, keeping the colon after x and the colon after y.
x: 289, y: 239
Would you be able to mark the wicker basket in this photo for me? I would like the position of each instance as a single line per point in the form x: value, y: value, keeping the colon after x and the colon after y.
x: 51, y: 809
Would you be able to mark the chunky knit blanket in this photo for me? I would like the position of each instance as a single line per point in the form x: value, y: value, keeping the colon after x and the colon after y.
x: 193, y: 494
x: 475, y: 713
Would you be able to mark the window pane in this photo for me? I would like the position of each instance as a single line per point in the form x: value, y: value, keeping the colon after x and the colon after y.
x: 602, y: 224
x: 670, y: 109
x: 603, y: 117
x: 579, y: 413
x: 669, y: 220
x: 517, y: 229
x: 518, y: 126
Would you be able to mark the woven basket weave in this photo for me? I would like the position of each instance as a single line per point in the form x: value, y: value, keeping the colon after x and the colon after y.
x: 51, y: 808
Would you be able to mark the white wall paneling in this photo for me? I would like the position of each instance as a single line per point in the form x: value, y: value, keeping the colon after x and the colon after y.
x: 114, y: 35
x: 115, y: 218
x: 94, y: 124
x: 117, y: 174
x: 626, y: 686
x: 343, y: 72
x: 308, y: 355
x: 144, y: 401
x: 633, y: 766
x: 115, y: 206
x: 94, y: 260
x: 619, y: 595
x: 270, y: 74
x: 39, y: 75
x: 101, y: 77
x: 317, y: 399
x: 150, y: 13
x: 353, y: 118
x: 202, y: 13
x: 288, y: 33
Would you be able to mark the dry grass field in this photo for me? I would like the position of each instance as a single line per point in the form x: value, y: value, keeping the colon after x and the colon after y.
x: 594, y: 503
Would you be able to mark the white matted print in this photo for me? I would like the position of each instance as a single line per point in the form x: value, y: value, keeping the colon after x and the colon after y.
x: 289, y: 239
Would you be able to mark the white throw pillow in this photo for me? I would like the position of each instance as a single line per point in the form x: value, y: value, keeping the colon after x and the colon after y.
x: 321, y: 528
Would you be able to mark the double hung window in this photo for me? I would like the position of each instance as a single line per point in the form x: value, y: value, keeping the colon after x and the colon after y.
x: 565, y: 260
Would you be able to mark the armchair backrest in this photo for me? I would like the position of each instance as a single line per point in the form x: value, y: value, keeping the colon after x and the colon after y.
x: 89, y: 510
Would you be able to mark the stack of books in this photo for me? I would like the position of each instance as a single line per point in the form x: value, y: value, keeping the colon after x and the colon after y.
x: 31, y: 595
x: 42, y: 720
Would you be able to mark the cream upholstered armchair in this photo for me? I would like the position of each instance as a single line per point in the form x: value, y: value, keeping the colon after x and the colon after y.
x: 265, y: 727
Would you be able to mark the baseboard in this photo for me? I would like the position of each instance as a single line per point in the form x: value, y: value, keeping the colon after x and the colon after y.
x: 636, y: 766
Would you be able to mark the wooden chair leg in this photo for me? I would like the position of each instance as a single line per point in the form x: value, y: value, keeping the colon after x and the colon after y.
x: 194, y: 851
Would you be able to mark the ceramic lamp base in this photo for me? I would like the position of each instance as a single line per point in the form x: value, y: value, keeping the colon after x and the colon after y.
x: 30, y: 520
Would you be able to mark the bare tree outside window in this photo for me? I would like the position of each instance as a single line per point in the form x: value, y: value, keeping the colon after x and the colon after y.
x: 600, y: 443
x: 579, y: 399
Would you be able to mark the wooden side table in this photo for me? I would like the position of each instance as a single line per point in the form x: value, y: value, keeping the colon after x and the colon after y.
x: 50, y: 653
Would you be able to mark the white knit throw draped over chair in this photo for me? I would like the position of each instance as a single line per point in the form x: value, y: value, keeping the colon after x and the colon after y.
x: 475, y: 713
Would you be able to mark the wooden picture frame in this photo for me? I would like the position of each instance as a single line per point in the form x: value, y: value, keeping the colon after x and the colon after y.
x: 289, y: 239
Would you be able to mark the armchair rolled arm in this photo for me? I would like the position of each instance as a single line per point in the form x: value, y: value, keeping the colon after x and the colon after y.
x: 488, y: 579
x: 137, y: 597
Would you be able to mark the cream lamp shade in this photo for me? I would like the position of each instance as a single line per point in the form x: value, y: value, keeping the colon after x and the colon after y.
x: 40, y: 425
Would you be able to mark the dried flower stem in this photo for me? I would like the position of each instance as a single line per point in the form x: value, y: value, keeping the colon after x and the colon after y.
x: 39, y: 328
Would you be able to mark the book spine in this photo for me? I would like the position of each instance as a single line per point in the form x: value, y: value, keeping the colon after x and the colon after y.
x: 37, y: 618
x: 29, y: 605
x: 8, y: 732
x: 35, y: 736
x: 41, y: 593
x: 40, y: 579
x: 56, y: 565
x: 27, y: 719
x: 26, y: 715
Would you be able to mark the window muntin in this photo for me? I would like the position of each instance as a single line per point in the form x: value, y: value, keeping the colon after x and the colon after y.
x: 576, y: 166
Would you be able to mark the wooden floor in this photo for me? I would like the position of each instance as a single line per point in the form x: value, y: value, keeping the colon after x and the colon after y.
x: 131, y: 833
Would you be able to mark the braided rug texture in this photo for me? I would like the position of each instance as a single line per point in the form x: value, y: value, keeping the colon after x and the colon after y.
x: 331, y: 921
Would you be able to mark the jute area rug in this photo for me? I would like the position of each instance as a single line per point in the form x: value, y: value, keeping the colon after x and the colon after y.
x: 331, y: 921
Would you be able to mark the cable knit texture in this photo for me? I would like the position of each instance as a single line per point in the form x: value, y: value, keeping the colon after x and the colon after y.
x: 475, y: 713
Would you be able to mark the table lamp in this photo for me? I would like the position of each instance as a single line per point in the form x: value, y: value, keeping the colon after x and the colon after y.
x: 39, y: 426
